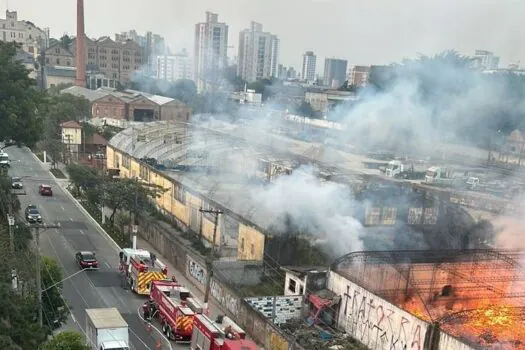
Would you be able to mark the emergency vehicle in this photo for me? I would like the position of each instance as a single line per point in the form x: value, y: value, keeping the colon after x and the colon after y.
x: 169, y: 306
x: 179, y: 294
x: 140, y: 270
x: 223, y: 334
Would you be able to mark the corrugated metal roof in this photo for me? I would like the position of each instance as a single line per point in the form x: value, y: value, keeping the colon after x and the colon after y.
x: 160, y: 100
x: 59, y: 71
x: 91, y: 95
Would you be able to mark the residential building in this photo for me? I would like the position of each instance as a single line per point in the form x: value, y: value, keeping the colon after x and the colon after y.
x: 358, y: 75
x: 71, y: 135
x: 57, y: 75
x: 322, y: 101
x: 131, y: 105
x: 57, y: 55
x: 153, y: 45
x: 308, y: 69
x: 116, y: 60
x: 258, y: 54
x: 485, y: 60
x: 174, y: 67
x: 211, y: 44
x: 301, y: 280
x: 26, y: 33
x: 334, y: 72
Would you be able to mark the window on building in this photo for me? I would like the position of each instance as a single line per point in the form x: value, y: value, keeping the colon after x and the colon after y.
x: 292, y: 285
x: 116, y: 163
x: 144, y: 173
x: 97, y: 111
x: 301, y: 290
x: 242, y: 244
x: 57, y: 50
x: 58, y: 61
x: 252, y: 249
x: 126, y: 162
x: 47, y: 60
x: 179, y: 194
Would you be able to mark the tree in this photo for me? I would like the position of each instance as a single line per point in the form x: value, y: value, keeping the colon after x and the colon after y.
x: 305, y: 109
x: 83, y: 177
x: 183, y: 90
x: 53, y: 304
x: 66, y: 341
x: 20, y: 102
x: 66, y: 41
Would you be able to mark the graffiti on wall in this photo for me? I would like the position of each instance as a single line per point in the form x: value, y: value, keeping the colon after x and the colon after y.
x: 224, y: 298
x: 374, y: 321
x: 274, y: 340
x: 196, y: 271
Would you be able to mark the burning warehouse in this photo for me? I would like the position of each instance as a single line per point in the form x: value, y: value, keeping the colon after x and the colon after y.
x: 456, y: 299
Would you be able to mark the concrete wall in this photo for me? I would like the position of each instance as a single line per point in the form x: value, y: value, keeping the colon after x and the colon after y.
x: 447, y: 342
x: 192, y: 264
x: 278, y: 308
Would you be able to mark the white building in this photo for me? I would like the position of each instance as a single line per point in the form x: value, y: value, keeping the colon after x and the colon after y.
x: 485, y: 60
x: 175, y: 67
x: 258, y: 54
x: 23, y: 32
x: 308, y: 69
x: 211, y: 45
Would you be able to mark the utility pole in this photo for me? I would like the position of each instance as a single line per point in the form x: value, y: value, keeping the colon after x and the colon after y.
x: 37, y: 228
x: 42, y: 64
x: 211, y: 256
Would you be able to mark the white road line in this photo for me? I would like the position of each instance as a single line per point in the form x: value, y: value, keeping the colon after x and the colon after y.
x: 73, y: 318
x: 153, y: 327
x: 106, y: 263
x: 81, y: 232
x: 70, y: 219
x: 62, y: 208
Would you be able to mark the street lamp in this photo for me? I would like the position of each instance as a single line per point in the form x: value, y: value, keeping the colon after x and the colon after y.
x: 11, y: 221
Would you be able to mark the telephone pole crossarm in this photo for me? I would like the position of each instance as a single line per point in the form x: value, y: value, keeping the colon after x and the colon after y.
x: 37, y: 228
x: 211, y: 256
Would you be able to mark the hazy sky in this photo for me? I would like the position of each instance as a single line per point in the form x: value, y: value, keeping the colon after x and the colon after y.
x: 362, y: 31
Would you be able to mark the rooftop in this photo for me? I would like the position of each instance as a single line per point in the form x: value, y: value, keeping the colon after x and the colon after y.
x: 61, y: 71
x: 91, y: 95
x: 71, y: 124
x: 126, y: 95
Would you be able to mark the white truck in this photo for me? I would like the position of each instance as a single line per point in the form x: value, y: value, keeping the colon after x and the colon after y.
x: 398, y: 170
x: 4, y: 159
x: 106, y: 329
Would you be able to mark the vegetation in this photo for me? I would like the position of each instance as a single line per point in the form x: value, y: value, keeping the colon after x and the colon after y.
x: 66, y: 341
x: 58, y: 173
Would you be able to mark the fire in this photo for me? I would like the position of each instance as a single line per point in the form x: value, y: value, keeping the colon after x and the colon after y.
x: 488, y: 324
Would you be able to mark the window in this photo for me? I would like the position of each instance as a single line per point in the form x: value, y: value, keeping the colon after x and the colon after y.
x: 292, y: 285
x: 179, y: 194
x: 144, y: 173
x: 301, y: 290
x: 57, y: 50
x: 126, y: 162
x: 47, y: 60
x: 116, y: 164
x: 68, y: 62
x: 252, y: 249
x: 58, y: 61
x: 242, y: 244
x: 97, y: 111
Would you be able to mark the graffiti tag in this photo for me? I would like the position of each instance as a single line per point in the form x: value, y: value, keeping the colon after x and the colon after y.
x: 223, y: 297
x: 196, y: 271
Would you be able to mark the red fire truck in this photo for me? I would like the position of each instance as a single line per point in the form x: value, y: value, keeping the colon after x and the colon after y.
x: 168, y: 304
x: 140, y: 269
x: 223, y: 334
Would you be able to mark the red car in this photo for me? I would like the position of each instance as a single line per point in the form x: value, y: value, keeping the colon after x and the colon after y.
x: 86, y: 260
x: 45, y: 190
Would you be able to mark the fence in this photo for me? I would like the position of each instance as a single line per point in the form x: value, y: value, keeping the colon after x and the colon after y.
x: 187, y: 260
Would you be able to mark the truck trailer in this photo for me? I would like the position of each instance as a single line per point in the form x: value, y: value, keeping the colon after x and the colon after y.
x: 223, y: 334
x: 106, y: 329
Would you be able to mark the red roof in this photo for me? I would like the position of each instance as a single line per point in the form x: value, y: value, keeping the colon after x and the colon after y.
x: 96, y: 139
x: 71, y: 124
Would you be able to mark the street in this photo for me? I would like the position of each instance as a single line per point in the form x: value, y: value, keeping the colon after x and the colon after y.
x: 90, y: 289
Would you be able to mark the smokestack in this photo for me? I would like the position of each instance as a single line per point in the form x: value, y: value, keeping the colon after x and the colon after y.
x: 81, y: 46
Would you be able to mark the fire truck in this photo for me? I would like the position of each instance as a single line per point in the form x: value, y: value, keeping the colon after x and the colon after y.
x: 141, y: 268
x: 168, y: 304
x: 223, y: 334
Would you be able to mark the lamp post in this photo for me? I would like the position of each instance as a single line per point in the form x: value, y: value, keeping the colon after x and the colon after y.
x: 11, y: 221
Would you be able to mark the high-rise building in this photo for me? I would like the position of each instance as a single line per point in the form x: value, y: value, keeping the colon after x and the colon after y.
x: 211, y: 45
x: 25, y: 33
x: 174, y: 67
x: 153, y: 45
x: 358, y: 75
x: 308, y: 69
x: 485, y: 60
x: 334, y: 72
x: 258, y: 54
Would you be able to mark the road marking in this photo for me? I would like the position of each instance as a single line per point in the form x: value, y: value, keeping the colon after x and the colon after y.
x: 70, y: 219
x: 73, y: 318
x: 62, y: 208
x: 153, y: 327
x: 106, y: 263
x: 81, y: 232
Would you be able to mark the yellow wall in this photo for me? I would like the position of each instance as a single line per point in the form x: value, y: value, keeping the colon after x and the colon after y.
x: 249, y: 236
x: 183, y: 211
x: 74, y: 138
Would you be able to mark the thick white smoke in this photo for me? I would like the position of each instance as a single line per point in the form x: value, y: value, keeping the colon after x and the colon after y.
x: 312, y: 206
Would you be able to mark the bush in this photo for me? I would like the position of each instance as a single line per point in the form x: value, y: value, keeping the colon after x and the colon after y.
x: 58, y: 174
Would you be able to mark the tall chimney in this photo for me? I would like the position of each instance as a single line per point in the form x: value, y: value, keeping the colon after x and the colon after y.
x: 81, y: 46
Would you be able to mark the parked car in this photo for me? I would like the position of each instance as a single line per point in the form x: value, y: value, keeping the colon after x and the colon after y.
x: 45, y: 190
x: 87, y: 260
x: 33, y: 214
x: 16, y: 183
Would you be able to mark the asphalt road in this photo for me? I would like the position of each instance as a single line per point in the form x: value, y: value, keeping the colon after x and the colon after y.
x: 90, y: 289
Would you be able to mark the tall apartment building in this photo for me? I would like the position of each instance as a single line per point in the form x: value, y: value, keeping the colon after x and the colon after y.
x: 334, y: 72
x: 153, y: 45
x: 358, y: 75
x: 116, y: 60
x: 211, y: 45
x: 174, y: 67
x: 485, y: 60
x: 258, y: 54
x: 308, y: 69
x: 23, y: 32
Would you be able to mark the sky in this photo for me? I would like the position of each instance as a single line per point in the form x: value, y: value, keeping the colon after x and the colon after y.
x: 364, y: 32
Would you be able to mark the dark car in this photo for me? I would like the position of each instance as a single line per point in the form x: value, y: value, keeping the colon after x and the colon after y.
x: 33, y: 214
x: 45, y: 190
x: 87, y: 260
x: 16, y: 183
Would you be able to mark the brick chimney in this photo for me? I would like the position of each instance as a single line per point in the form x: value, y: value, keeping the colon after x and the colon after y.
x: 81, y: 46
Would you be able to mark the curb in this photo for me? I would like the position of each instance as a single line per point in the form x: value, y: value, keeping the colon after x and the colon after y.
x: 79, y: 205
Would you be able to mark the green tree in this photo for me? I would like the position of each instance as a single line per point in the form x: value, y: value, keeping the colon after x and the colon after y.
x: 53, y: 304
x: 66, y: 341
x: 183, y: 90
x: 83, y: 177
x: 20, y: 102
x: 305, y: 109
x: 66, y: 41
